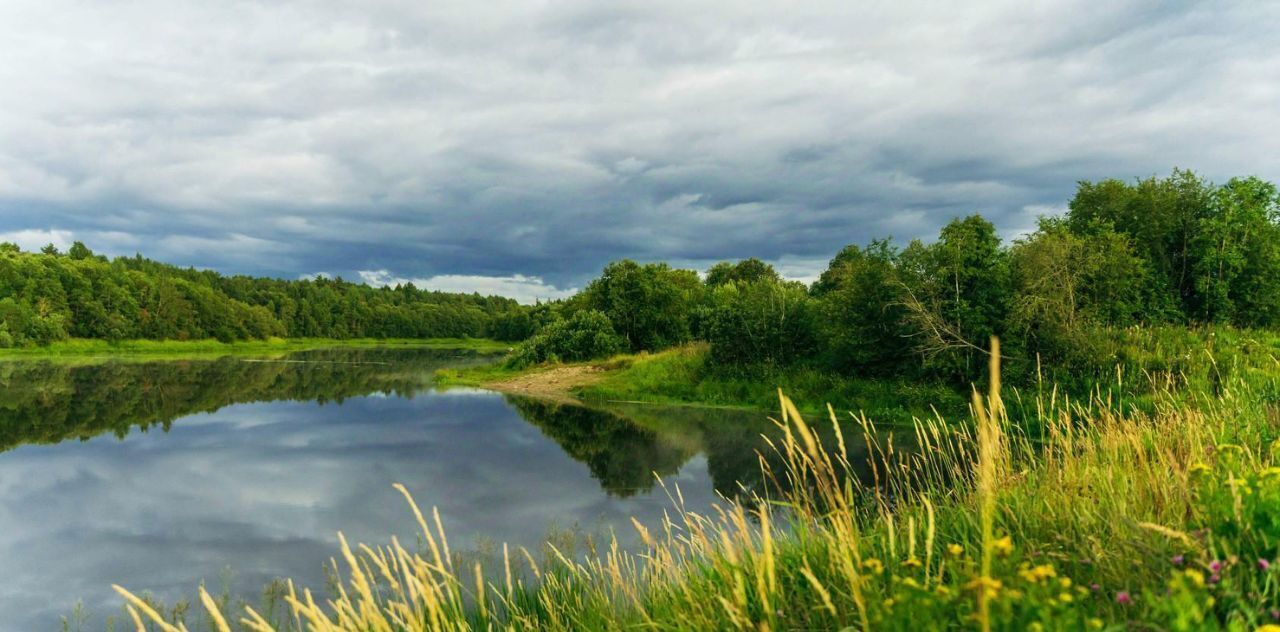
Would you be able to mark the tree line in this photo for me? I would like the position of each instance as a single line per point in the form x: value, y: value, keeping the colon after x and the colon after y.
x: 51, y: 295
x: 1174, y: 250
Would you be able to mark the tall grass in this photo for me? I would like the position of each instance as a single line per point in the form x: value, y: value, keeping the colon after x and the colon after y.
x: 1095, y: 516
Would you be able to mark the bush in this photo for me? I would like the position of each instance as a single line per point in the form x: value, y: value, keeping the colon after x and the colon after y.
x: 763, y: 322
x: 588, y: 334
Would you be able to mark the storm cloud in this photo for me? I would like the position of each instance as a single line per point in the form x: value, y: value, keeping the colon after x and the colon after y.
x: 524, y: 144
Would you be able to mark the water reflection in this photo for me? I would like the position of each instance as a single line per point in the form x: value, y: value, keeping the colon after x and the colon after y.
x: 52, y: 401
x: 260, y: 463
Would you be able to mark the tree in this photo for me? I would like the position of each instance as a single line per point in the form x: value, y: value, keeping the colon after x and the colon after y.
x: 1066, y: 285
x: 764, y: 322
x: 585, y: 336
x: 1236, y: 255
x: 745, y: 271
x: 955, y: 292
x: 864, y: 318
x: 648, y: 304
x: 1162, y: 217
x: 79, y: 251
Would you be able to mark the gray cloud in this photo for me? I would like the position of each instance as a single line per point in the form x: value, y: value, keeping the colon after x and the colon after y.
x: 486, y: 141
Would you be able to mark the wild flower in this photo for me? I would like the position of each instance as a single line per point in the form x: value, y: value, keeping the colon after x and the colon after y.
x: 1038, y: 573
x: 1179, y: 559
x: 955, y: 550
x: 1264, y: 565
x: 986, y: 585
x: 1196, y: 577
x: 1003, y: 546
x: 1123, y: 598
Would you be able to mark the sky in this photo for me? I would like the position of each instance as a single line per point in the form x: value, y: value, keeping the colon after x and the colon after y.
x: 517, y: 147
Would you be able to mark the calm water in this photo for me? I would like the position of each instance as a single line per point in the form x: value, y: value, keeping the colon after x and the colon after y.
x: 159, y: 475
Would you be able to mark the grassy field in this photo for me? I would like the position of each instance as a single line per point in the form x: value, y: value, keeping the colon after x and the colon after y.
x: 1104, y: 517
x: 171, y: 348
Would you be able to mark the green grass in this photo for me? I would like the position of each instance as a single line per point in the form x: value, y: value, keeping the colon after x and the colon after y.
x: 78, y: 347
x: 683, y: 376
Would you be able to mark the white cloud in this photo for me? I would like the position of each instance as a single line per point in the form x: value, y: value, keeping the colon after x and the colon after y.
x: 525, y: 289
x: 33, y: 240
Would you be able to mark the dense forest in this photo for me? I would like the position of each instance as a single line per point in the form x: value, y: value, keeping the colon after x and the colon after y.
x: 50, y: 296
x: 1175, y: 250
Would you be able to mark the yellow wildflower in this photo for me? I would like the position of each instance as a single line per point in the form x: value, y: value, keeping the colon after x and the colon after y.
x: 986, y: 584
x: 1003, y: 546
x: 1196, y: 578
x: 873, y: 565
x: 1034, y: 575
x: 956, y: 550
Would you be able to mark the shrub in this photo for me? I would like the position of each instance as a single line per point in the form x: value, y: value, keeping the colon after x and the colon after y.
x: 588, y: 334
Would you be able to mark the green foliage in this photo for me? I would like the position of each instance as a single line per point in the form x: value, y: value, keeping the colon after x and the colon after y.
x: 745, y: 271
x: 49, y: 296
x: 1156, y: 252
x: 864, y: 319
x: 650, y: 305
x: 586, y: 335
x: 1236, y: 250
x: 761, y: 322
x: 1068, y: 285
x: 957, y: 295
x: 1214, y: 251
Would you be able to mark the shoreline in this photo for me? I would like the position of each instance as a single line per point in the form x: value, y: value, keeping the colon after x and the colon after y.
x: 82, y: 349
x: 681, y: 377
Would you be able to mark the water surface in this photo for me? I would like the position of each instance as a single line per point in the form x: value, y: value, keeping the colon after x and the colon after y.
x: 160, y: 475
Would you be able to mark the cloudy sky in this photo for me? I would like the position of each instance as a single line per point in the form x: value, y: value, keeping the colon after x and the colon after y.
x: 518, y: 146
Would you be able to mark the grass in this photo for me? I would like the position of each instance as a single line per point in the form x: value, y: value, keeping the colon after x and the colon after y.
x: 1102, y: 517
x: 79, y: 347
x: 684, y: 376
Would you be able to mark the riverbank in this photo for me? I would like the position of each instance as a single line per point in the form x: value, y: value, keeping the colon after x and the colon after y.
x: 683, y: 376
x: 82, y: 348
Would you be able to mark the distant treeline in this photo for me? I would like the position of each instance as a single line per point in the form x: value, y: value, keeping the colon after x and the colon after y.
x: 1175, y: 250
x: 50, y: 295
